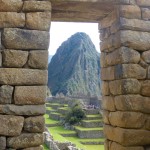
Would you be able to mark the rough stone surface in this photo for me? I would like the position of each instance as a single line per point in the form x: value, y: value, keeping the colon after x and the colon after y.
x: 6, y: 93
x: 108, y: 103
x: 147, y: 125
x: 108, y: 73
x: 116, y: 146
x: 145, y: 13
x: 125, y: 86
x: 146, y: 88
x: 10, y: 5
x: 13, y: 76
x: 105, y: 88
x: 34, y: 124
x: 12, y: 19
x: 38, y: 59
x: 14, y: 38
x: 146, y: 56
x: 130, y: 71
x: 123, y: 55
x: 11, y: 125
x: 130, y: 11
x: 32, y: 140
x: 132, y: 103
x: 143, y: 2
x: 14, y: 58
x: 38, y: 20
x: 0, y: 57
x: 34, y: 148
x: 30, y: 95
x: 2, y: 142
x: 137, y: 40
x: 36, y: 6
x: 127, y: 137
x: 122, y: 119
x: 149, y: 72
x: 25, y: 110
x: 106, y: 117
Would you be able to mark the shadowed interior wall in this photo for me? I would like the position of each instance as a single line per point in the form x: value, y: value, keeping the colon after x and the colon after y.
x: 125, y: 61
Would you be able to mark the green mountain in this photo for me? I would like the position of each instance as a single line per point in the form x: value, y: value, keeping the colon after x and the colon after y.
x: 75, y: 68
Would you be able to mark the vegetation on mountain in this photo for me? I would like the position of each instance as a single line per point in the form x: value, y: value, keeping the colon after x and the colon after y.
x: 75, y: 68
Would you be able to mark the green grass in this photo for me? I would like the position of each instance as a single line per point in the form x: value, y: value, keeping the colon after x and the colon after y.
x: 87, y: 129
x: 98, y: 120
x: 45, y: 147
x: 49, y: 121
x: 49, y: 108
x: 97, y: 115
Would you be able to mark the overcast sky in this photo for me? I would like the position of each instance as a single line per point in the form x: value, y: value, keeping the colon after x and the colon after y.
x: 61, y: 31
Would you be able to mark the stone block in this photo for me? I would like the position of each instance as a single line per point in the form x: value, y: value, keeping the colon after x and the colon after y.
x: 135, y: 24
x: 106, y: 117
x: 6, y: 93
x: 2, y: 142
x: 14, y: 58
x: 32, y: 140
x: 146, y: 56
x: 147, y: 124
x: 0, y: 59
x: 108, y: 20
x: 11, y: 5
x: 0, y: 47
x: 111, y: 43
x: 38, y: 20
x: 127, y: 119
x: 34, y: 124
x: 108, y: 103
x: 25, y: 110
x: 105, y: 88
x: 12, y: 19
x: 145, y: 90
x: 104, y: 33
x: 108, y: 73
x: 11, y: 125
x: 132, y: 103
x: 143, y: 2
x: 14, y: 38
x: 125, y: 86
x: 146, y: 13
x: 30, y: 95
x: 149, y: 72
x: 14, y: 76
x: 130, y: 71
x: 135, y: 39
x: 36, y: 6
x: 130, y: 11
x: 127, y: 137
x: 123, y: 55
x: 116, y: 146
x: 103, y: 57
x: 38, y: 59
x: 34, y: 148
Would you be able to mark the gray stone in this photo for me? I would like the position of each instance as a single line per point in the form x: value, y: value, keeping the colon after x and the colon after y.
x: 146, y: 56
x: 30, y: 95
x: 14, y: 38
x: 145, y: 90
x: 12, y: 19
x: 2, y: 142
x: 38, y: 59
x: 34, y: 124
x: 10, y: 5
x: 35, y: 148
x: 6, y: 93
x: 25, y: 110
x: 0, y: 59
x: 11, y: 125
x: 14, y: 58
x: 14, y: 76
x: 145, y: 13
x: 32, y: 140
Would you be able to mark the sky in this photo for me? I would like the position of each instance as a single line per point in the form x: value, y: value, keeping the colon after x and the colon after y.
x: 61, y: 31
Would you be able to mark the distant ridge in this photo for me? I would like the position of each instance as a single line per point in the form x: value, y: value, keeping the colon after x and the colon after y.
x: 75, y: 68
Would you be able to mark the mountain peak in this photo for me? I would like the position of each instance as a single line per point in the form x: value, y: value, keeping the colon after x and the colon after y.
x: 75, y: 67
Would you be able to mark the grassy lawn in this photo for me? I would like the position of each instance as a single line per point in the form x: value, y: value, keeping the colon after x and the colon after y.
x: 45, y: 147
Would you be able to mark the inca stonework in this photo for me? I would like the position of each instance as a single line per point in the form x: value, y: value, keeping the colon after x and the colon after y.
x: 125, y: 60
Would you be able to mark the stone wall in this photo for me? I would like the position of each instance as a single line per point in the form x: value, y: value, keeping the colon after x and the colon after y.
x: 24, y: 40
x: 125, y: 62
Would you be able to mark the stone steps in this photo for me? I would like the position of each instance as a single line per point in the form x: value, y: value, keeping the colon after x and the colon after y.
x: 62, y: 110
x: 91, y: 111
x: 92, y: 143
x: 85, y: 133
x: 55, y: 116
x: 92, y: 123
x: 74, y: 134
x: 93, y: 117
x: 53, y: 124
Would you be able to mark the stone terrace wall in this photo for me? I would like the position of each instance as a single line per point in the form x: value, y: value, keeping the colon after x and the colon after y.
x: 24, y: 40
x: 125, y: 62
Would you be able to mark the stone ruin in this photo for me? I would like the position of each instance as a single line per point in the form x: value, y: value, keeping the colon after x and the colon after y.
x: 124, y: 27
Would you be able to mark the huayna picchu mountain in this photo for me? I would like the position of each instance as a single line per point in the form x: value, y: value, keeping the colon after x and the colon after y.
x: 75, y: 68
